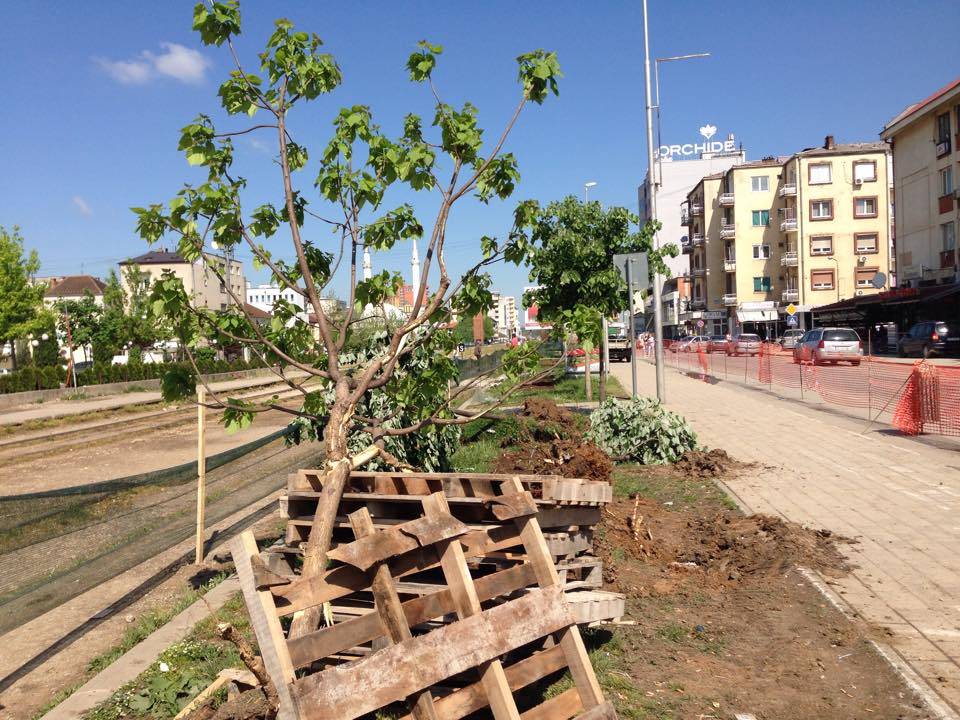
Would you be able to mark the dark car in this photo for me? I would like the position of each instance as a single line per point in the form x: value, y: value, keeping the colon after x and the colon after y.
x: 929, y: 338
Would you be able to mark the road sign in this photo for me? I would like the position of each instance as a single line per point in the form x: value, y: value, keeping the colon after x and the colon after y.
x: 878, y: 280
x: 700, y: 323
x: 791, y: 309
x: 791, y: 321
x: 639, y: 271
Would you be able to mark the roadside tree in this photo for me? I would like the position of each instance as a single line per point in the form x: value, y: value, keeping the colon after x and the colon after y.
x: 354, y: 174
x: 21, y: 302
x: 571, y: 261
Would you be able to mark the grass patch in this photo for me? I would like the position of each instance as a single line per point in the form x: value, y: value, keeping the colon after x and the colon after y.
x: 668, y: 487
x: 571, y: 388
x: 476, y: 456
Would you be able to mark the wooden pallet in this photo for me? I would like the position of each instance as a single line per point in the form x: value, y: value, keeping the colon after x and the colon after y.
x: 446, y: 671
x: 554, y: 489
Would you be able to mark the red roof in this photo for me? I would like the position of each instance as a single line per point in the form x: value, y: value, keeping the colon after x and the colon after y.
x: 75, y: 286
x: 916, y: 107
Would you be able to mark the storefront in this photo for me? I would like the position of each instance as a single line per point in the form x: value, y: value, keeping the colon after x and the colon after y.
x: 760, y: 318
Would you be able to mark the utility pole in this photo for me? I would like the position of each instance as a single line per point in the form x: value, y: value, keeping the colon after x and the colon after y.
x: 604, y: 339
x: 201, y: 473
x: 652, y: 199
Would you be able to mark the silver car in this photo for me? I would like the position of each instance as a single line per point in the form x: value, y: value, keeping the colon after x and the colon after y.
x: 744, y: 344
x: 829, y: 345
x: 790, y: 339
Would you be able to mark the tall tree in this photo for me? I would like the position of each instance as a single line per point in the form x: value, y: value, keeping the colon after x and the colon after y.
x: 353, y: 174
x: 110, y: 334
x: 84, y: 317
x: 21, y: 302
x: 571, y: 262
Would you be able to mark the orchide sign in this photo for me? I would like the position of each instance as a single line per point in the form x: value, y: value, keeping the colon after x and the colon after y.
x: 707, y: 146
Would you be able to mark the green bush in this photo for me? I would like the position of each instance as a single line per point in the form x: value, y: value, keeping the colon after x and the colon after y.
x: 641, y: 431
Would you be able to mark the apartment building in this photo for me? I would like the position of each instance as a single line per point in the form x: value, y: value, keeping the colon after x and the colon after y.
x: 808, y: 230
x: 199, y: 280
x: 925, y: 141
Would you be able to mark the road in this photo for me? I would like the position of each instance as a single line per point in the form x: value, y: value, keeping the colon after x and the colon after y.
x: 898, y: 497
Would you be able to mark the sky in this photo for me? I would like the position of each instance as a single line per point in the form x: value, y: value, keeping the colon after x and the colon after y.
x: 95, y: 95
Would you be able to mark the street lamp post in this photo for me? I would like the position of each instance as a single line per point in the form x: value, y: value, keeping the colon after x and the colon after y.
x: 604, y: 347
x: 586, y: 190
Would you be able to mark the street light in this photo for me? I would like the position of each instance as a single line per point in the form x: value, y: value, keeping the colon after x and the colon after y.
x: 586, y: 190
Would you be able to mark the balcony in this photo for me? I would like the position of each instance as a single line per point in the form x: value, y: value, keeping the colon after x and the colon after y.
x: 696, y: 209
x: 697, y: 240
x: 945, y: 203
x: 728, y: 231
x: 947, y: 259
x: 684, y: 215
x: 790, y: 296
x: 730, y: 299
x: 729, y: 265
x: 686, y: 247
x: 787, y: 190
x: 726, y: 199
x: 698, y: 272
x: 698, y: 303
x: 788, y: 220
x: 789, y: 259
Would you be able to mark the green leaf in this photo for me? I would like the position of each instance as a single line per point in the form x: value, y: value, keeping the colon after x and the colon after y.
x: 217, y: 22
x: 420, y: 64
x: 538, y: 73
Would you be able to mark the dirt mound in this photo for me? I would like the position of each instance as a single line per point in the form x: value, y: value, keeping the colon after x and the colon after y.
x: 759, y: 544
x: 570, y: 458
x: 706, y: 463
x: 546, y: 410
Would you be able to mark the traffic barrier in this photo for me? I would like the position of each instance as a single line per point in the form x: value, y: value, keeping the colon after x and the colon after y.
x: 914, y: 398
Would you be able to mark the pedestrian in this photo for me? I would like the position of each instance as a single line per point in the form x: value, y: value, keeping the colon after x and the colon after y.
x: 882, y: 338
x: 514, y: 341
x: 477, y: 350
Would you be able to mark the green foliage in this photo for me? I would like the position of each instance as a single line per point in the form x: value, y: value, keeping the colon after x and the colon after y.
x: 640, y: 430
x: 538, y: 73
x: 463, y: 332
x: 21, y: 305
x: 177, y: 383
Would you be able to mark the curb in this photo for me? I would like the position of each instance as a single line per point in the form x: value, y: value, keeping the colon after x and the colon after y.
x: 141, y: 656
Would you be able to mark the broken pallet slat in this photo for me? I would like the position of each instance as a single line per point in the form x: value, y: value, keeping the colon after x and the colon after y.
x: 377, y: 546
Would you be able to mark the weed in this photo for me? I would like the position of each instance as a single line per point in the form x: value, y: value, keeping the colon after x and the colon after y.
x: 476, y: 456
x: 672, y: 633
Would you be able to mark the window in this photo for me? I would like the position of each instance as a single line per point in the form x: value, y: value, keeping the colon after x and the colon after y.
x: 759, y: 183
x: 864, y: 171
x: 865, y: 243
x: 761, y: 284
x: 946, y: 181
x: 761, y: 218
x: 948, y: 236
x: 821, y: 279
x: 865, y: 207
x: 865, y: 277
x: 943, y: 129
x: 761, y: 252
x: 820, y: 173
x: 821, y: 209
x: 821, y: 245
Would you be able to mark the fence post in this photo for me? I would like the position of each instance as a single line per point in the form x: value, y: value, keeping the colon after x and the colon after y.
x: 201, y: 472
x: 869, y: 388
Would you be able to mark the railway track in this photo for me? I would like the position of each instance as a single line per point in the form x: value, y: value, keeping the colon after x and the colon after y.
x: 14, y: 449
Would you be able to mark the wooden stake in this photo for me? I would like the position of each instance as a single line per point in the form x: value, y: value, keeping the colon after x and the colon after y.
x: 201, y: 471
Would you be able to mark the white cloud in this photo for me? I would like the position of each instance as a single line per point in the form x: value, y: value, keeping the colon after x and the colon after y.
x: 176, y: 61
x: 258, y: 145
x: 82, y: 206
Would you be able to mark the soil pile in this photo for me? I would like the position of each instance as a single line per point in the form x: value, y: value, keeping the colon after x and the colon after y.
x: 706, y: 463
x: 546, y: 410
x: 569, y: 458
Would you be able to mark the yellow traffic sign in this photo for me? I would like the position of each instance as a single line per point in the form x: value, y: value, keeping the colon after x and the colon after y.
x: 791, y: 309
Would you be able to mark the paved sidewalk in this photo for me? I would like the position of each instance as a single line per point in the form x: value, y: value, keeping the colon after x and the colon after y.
x: 898, y: 497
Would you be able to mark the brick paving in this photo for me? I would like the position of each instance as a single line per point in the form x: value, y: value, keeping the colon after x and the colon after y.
x: 898, y: 497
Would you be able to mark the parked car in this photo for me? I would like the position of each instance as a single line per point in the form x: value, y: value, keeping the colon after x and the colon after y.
x: 718, y: 343
x: 823, y: 345
x: 790, y: 339
x: 930, y: 338
x: 695, y: 343
x: 744, y: 344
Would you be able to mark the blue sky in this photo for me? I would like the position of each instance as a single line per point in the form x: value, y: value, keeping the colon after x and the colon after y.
x: 84, y: 138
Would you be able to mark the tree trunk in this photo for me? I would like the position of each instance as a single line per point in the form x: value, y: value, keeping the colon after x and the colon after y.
x: 13, y: 355
x: 603, y: 375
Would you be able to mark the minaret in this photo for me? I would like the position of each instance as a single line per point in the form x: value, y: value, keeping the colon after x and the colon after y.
x: 415, y: 266
x: 367, y: 265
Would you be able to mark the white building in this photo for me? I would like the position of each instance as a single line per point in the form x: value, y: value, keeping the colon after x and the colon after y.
x: 504, y: 314
x: 263, y: 297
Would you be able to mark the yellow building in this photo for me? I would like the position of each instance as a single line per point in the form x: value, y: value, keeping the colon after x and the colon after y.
x: 199, y: 281
x: 926, y: 174
x: 806, y: 230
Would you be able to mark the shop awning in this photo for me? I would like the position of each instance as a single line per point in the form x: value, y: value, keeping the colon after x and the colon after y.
x: 757, y: 315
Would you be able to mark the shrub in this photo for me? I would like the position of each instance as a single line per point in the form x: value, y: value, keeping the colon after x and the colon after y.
x: 640, y: 430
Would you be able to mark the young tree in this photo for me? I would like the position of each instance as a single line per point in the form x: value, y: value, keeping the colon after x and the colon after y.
x: 21, y: 303
x: 84, y: 317
x: 110, y: 333
x: 353, y: 175
x: 571, y: 262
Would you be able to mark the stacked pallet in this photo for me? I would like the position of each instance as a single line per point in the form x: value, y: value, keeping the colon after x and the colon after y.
x: 568, y: 509
x: 414, y: 624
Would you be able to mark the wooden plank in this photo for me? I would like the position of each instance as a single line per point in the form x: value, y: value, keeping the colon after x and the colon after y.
x: 467, y: 604
x: 266, y: 625
x: 471, y: 698
x: 390, y: 675
x: 573, y: 649
x: 343, y: 580
x: 567, y: 515
x: 388, y: 606
x: 560, y: 707
x: 513, y: 505
x: 345, y: 635
x: 376, y: 547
